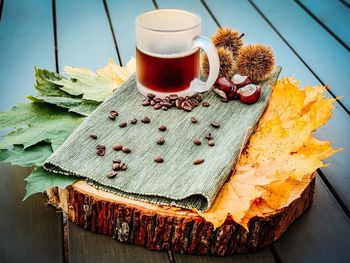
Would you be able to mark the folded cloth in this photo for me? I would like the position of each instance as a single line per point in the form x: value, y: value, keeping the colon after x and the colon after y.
x: 176, y: 181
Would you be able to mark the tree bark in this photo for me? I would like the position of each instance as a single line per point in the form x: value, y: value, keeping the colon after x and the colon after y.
x: 164, y: 228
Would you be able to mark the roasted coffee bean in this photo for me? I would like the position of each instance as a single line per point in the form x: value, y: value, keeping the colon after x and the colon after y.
x: 178, y: 103
x: 100, y: 146
x: 93, y: 136
x: 113, y: 115
x: 158, y: 159
x: 194, y: 102
x: 123, y: 124
x: 209, y: 136
x: 157, y: 100
x: 173, y: 96
x: 164, y: 108
x: 126, y: 149
x: 197, y: 141
x: 116, y: 160
x: 199, y: 98
x: 160, y: 141
x: 167, y: 104
x: 194, y: 119
x: 133, y: 121
x: 225, y: 100
x: 198, y: 161
x: 151, y: 95
x: 173, y: 103
x: 123, y: 166
x: 111, y: 174
x: 211, y: 142
x: 187, y: 108
x: 157, y: 106
x: 162, y: 128
x: 153, y: 103
x: 117, y: 147
x: 167, y: 98
x: 100, y: 152
x: 205, y: 104
x: 146, y: 102
x: 116, y: 166
x: 146, y: 120
x: 215, y: 124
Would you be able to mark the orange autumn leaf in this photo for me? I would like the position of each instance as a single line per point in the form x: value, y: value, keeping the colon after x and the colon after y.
x: 280, y: 158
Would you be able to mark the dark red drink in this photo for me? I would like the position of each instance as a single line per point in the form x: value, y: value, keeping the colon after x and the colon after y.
x: 167, y: 74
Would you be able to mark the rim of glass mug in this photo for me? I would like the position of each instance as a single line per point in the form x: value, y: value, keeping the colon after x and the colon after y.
x: 140, y: 23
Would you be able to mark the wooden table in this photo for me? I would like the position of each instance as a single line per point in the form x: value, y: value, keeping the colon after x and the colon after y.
x: 311, y: 40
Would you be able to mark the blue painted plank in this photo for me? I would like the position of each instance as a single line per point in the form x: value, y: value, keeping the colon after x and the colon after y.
x: 334, y: 15
x: 208, y: 24
x: 26, y: 40
x: 325, y: 55
x: 84, y: 35
x: 123, y: 16
x: 30, y: 231
x: 258, y: 31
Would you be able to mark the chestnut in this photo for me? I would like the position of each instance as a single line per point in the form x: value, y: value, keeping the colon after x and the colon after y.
x: 231, y: 94
x: 223, y: 84
x: 249, y: 94
x: 240, y: 81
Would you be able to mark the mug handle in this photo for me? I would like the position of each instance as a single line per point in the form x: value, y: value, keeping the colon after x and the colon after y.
x: 214, y: 63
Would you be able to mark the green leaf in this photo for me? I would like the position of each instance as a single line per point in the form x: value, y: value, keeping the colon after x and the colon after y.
x: 40, y: 180
x: 36, y: 122
x: 44, y: 85
x: 32, y: 156
x: 92, y: 86
x: 80, y: 106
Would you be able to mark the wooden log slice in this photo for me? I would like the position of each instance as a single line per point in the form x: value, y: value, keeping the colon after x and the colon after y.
x: 168, y: 228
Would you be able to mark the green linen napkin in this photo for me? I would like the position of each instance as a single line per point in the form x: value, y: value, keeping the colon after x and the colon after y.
x: 176, y: 181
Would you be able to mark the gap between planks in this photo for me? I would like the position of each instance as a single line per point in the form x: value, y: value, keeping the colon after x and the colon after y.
x: 322, y: 25
x: 1, y: 8
x: 105, y: 5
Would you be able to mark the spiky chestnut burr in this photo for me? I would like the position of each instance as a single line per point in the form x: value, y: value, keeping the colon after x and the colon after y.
x: 255, y: 61
x: 228, y: 38
x: 228, y: 65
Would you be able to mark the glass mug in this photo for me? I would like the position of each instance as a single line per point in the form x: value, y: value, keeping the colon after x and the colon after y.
x: 168, y: 55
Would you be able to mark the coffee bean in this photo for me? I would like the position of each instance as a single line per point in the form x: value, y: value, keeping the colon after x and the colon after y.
x: 198, y: 161
x: 146, y: 120
x: 116, y: 166
x: 160, y: 141
x: 100, y: 146
x: 111, y: 174
x: 126, y: 149
x: 146, y: 102
x: 178, y: 103
x: 93, y: 136
x: 197, y: 141
x: 194, y: 119
x: 116, y: 160
x: 215, y: 124
x: 117, y: 147
x: 158, y: 159
x: 123, y: 124
x: 157, y: 100
x: 173, y: 96
x: 194, y: 102
x: 151, y: 95
x: 211, y: 142
x: 164, y: 108
x: 162, y: 128
x: 113, y: 115
x: 225, y: 100
x: 187, y: 108
x: 123, y: 166
x: 153, y: 103
x: 157, y: 106
x: 209, y: 136
x: 133, y: 121
x: 205, y: 104
x: 173, y: 103
x: 167, y: 104
x: 199, y: 98
x: 100, y: 152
